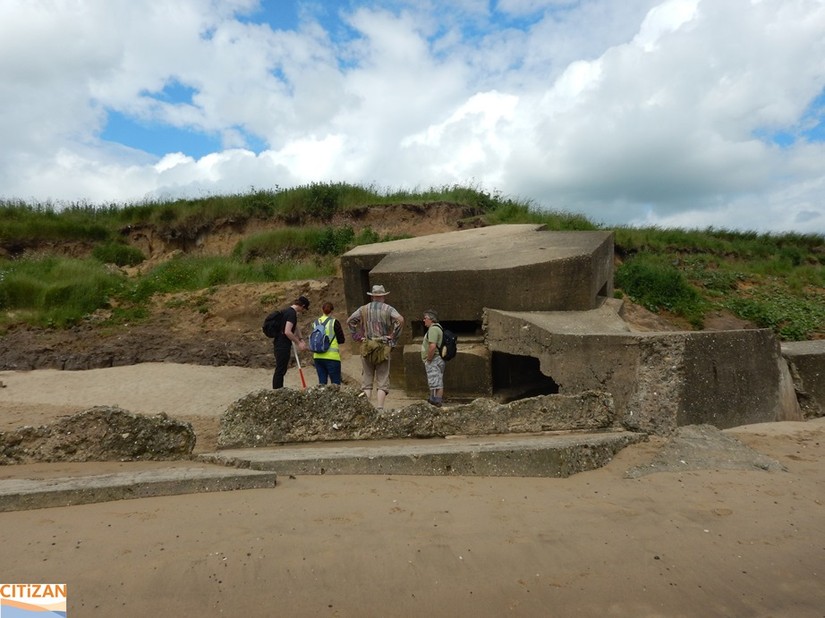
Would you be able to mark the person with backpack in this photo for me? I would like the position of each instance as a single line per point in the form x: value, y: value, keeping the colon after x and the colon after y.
x: 377, y: 325
x: 288, y: 334
x: 327, y: 335
x: 434, y: 364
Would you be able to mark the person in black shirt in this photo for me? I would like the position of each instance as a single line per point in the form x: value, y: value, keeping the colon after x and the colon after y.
x: 289, y: 336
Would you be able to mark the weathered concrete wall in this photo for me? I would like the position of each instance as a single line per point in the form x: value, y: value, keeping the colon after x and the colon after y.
x: 733, y: 378
x: 355, y: 269
x: 806, y: 360
x: 658, y: 380
x: 461, y: 295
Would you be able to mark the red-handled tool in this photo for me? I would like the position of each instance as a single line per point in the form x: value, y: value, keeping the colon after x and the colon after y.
x: 300, y: 371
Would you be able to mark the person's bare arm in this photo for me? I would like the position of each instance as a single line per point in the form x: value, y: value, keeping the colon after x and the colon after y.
x: 293, y: 333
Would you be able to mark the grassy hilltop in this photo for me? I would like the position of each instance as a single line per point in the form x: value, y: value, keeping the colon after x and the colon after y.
x: 59, y: 265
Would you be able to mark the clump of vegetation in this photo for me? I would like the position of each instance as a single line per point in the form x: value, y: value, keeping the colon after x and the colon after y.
x: 185, y: 273
x: 118, y: 253
x: 52, y: 291
x: 793, y: 317
x: 657, y: 285
x: 292, y: 243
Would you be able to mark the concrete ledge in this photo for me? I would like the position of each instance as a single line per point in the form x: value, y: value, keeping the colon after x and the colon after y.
x: 806, y: 360
x: 542, y: 455
x: 26, y: 494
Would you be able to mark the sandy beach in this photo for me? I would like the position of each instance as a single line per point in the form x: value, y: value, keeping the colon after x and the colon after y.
x: 700, y: 542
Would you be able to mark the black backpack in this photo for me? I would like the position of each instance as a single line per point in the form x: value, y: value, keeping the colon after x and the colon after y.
x: 274, y: 324
x: 449, y: 344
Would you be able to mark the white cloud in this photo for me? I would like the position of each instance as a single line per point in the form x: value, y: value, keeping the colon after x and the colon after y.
x: 641, y: 111
x: 668, y: 17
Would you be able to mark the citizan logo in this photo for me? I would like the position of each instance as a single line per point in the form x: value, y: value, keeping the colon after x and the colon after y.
x: 28, y: 600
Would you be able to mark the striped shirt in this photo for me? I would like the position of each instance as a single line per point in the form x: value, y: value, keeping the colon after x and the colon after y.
x: 376, y: 320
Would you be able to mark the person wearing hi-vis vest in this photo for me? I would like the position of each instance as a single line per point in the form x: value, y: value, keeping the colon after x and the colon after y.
x: 328, y: 364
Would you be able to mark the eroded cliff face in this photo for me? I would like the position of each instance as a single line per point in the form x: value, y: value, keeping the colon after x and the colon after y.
x: 216, y: 326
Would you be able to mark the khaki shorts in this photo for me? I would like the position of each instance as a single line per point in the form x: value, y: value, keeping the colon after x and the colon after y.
x: 377, y: 376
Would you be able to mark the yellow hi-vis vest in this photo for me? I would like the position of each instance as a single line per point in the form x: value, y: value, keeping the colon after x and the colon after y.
x: 332, y: 353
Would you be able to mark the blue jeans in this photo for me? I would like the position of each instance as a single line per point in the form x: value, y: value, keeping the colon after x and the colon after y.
x: 328, y: 368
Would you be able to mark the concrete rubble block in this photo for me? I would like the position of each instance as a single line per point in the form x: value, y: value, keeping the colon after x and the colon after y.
x: 806, y: 361
x: 335, y: 413
x: 585, y: 411
x: 102, y: 433
x: 266, y: 417
x: 514, y: 267
x: 733, y: 378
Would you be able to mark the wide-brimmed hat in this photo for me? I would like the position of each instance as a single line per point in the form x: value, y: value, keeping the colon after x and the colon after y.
x: 378, y: 290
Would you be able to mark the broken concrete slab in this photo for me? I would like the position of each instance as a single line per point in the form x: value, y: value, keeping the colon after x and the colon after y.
x: 20, y: 494
x: 544, y: 455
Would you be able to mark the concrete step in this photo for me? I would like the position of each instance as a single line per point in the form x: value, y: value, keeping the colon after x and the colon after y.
x: 537, y: 455
x: 161, y: 479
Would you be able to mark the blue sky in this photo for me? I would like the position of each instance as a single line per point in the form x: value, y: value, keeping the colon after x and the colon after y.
x: 677, y: 113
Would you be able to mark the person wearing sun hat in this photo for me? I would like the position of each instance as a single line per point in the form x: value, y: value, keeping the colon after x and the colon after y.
x: 377, y: 325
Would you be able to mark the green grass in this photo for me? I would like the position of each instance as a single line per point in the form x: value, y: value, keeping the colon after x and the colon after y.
x: 53, y: 291
x: 118, y: 253
x: 23, y: 222
x: 291, y: 243
x: 653, y: 282
x: 794, y: 317
x: 195, y: 273
x: 774, y: 281
x: 185, y: 218
x: 60, y: 292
